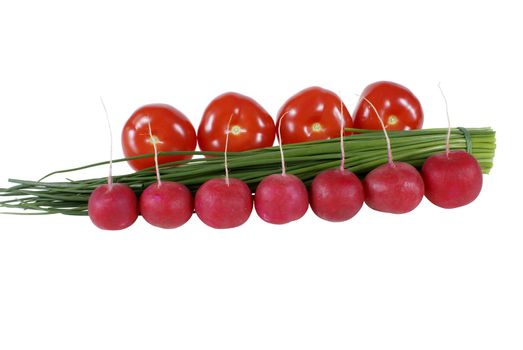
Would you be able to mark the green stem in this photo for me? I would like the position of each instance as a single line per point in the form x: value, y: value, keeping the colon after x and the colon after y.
x: 364, y: 151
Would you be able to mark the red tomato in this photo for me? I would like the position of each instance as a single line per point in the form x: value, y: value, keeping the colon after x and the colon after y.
x: 171, y: 130
x: 251, y: 126
x: 396, y: 105
x: 312, y: 114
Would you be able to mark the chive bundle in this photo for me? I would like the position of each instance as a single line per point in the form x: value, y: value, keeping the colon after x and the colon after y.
x: 365, y: 151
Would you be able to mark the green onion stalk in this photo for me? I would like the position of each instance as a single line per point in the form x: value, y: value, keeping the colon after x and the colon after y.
x: 364, y: 150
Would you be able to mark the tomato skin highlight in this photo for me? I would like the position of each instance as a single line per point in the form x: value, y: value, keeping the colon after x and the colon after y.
x: 171, y: 128
x: 398, y: 107
x: 113, y: 207
x: 251, y: 126
x: 312, y: 114
x: 452, y: 181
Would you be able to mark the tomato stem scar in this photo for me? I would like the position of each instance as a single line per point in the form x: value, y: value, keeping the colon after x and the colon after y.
x: 392, y: 120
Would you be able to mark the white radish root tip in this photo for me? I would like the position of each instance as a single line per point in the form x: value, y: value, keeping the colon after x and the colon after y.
x: 447, y: 145
x: 110, y: 177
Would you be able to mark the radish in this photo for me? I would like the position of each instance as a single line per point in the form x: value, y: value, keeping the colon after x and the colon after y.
x: 165, y: 204
x: 337, y: 194
x: 224, y: 203
x: 453, y: 178
x: 281, y: 198
x: 394, y: 187
x: 112, y: 206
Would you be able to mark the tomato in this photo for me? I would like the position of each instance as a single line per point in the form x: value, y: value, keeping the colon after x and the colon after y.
x: 251, y: 126
x: 171, y: 130
x: 396, y: 105
x: 312, y: 114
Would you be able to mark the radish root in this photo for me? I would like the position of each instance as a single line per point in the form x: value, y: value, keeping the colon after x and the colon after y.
x: 447, y: 144
x: 110, y: 177
x: 225, y: 159
x: 342, y: 144
x: 155, y: 141
x: 280, y: 144
x: 389, y: 148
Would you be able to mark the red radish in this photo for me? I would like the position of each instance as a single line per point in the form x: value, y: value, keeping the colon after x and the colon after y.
x: 452, y: 179
x: 281, y: 198
x: 337, y: 194
x: 224, y: 203
x: 165, y: 204
x: 394, y: 187
x: 112, y: 206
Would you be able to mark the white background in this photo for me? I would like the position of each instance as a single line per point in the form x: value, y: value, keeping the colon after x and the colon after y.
x: 431, y: 279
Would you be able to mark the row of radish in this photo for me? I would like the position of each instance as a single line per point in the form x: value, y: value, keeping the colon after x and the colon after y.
x: 450, y: 179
